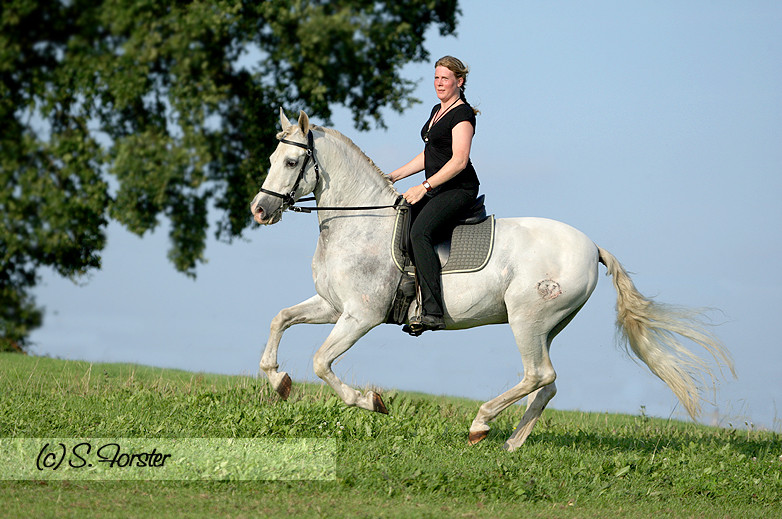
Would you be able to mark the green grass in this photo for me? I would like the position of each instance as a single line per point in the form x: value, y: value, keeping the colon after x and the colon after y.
x: 413, y: 463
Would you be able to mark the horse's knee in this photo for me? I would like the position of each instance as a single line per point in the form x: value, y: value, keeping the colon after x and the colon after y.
x: 281, y: 321
x: 321, y: 366
x: 547, y: 379
x: 540, y: 378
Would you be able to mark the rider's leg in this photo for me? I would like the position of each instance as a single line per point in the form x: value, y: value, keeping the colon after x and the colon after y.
x: 433, y: 222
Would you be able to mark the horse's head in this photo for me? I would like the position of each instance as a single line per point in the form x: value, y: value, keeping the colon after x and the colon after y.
x: 292, y: 173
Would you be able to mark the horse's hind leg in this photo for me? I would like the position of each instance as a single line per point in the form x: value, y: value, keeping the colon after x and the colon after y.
x: 536, y: 403
x: 314, y: 310
x: 346, y: 332
x: 538, y: 373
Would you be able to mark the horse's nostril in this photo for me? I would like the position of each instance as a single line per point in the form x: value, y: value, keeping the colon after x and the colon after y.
x: 258, y: 213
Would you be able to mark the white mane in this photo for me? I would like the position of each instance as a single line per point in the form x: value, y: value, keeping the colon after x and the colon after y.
x: 349, y: 143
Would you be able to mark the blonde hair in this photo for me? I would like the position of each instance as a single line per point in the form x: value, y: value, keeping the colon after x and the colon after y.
x: 460, y: 70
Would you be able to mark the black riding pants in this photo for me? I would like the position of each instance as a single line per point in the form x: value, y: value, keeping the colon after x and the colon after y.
x: 434, y: 219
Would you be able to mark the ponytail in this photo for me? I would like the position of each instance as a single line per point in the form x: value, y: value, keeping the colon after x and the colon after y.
x: 464, y: 98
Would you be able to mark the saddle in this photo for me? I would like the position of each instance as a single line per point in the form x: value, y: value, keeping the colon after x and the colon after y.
x: 468, y: 250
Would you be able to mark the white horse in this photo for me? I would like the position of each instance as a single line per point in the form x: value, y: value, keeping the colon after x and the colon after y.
x: 540, y: 274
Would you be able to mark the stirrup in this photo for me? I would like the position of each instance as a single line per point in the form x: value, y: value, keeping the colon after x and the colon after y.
x: 415, y: 328
x: 421, y: 323
x: 413, y: 331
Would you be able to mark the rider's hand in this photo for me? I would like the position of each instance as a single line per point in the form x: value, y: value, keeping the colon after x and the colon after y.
x: 415, y: 194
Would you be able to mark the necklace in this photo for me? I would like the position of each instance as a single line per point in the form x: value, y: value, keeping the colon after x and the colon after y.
x: 437, y: 117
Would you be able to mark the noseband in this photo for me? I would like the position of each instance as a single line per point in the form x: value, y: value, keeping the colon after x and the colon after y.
x: 289, y: 199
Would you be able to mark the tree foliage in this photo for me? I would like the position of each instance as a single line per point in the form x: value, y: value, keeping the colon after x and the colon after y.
x: 139, y: 110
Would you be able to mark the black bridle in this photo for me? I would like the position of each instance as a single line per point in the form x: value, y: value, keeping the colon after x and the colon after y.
x: 289, y: 200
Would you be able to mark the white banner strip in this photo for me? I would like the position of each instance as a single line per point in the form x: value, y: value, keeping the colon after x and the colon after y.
x: 173, y: 459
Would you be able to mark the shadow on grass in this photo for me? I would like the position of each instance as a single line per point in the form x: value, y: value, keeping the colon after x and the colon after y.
x: 647, y: 440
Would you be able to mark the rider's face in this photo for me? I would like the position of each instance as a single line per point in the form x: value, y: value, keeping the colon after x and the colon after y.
x: 445, y: 84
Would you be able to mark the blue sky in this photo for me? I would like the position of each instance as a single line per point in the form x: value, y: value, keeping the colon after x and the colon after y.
x: 654, y: 127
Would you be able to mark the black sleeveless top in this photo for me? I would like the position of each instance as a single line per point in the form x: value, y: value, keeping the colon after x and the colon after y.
x: 439, y: 147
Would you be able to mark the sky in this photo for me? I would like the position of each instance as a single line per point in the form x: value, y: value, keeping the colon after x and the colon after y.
x: 653, y: 127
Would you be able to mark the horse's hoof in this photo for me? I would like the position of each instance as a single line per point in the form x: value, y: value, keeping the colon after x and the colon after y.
x: 475, y: 437
x: 284, y: 389
x: 378, y: 404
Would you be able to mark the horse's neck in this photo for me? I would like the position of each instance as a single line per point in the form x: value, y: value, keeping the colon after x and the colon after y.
x: 350, y: 178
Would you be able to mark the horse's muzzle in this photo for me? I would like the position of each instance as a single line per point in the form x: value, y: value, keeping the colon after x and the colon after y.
x: 264, y: 215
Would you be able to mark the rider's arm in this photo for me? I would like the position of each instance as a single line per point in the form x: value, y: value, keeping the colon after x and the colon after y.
x: 461, y: 142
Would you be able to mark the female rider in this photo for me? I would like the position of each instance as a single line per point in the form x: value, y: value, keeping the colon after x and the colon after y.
x: 450, y: 188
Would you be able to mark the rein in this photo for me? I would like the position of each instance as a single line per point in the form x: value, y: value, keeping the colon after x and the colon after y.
x: 289, y: 200
x: 297, y: 209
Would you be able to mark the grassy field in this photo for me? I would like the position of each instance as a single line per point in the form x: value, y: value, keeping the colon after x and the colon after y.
x: 413, y: 463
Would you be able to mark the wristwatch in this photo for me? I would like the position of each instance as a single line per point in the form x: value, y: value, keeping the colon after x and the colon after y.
x: 427, y: 185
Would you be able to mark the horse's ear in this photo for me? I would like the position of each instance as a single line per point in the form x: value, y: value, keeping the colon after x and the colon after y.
x: 304, y: 122
x: 284, y: 122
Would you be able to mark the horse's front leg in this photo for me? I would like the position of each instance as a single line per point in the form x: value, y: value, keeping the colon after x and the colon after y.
x: 347, y: 331
x: 314, y: 310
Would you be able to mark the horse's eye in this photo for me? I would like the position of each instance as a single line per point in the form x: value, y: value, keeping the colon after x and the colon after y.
x: 290, y: 163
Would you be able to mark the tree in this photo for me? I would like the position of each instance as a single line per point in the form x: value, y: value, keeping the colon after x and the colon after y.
x: 137, y: 110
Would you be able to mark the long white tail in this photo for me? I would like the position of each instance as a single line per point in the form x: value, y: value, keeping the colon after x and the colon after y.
x: 650, y: 330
